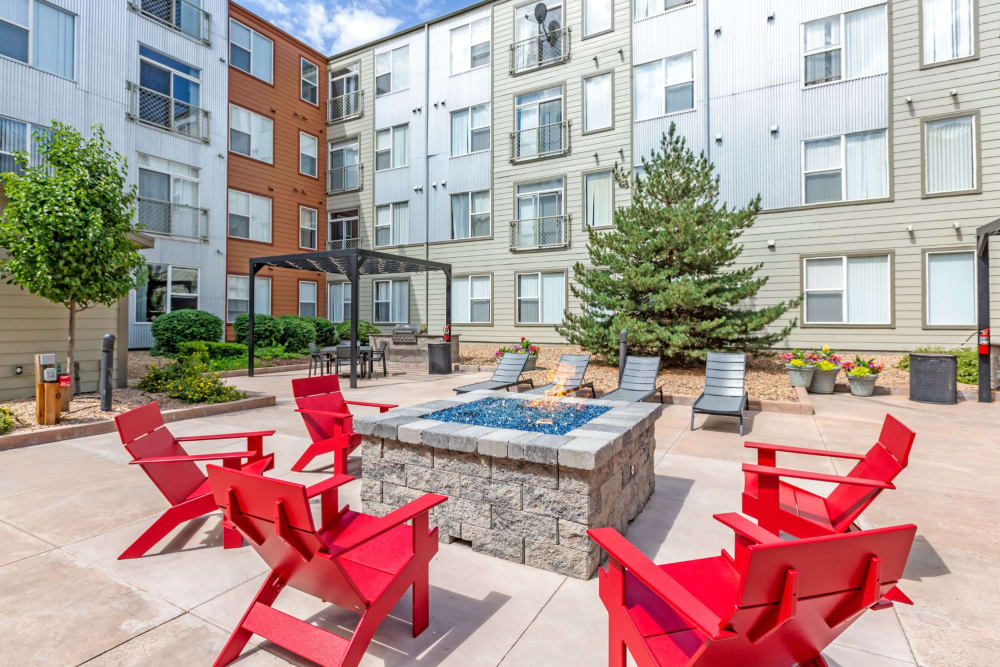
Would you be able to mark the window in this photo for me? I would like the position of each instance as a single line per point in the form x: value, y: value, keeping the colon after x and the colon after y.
x: 598, y: 96
x: 168, y: 288
x: 51, y: 39
x: 845, y: 168
x: 534, y: 44
x: 391, y: 302
x: 307, y: 298
x: 470, y: 46
x: 470, y: 299
x: 391, y: 147
x: 19, y: 136
x: 846, y: 46
x: 647, y: 8
x: 238, y: 296
x: 338, y: 302
x: 539, y: 124
x: 664, y: 86
x: 169, y: 93
x: 169, y: 198
x: 251, y: 134
x: 598, y: 16
x: 470, y: 214
x: 249, y: 216
x: 470, y: 130
x: 342, y: 230
x: 392, y: 224
x: 598, y: 197
x: 345, y: 92
x: 250, y: 51
x: 541, y: 298
x: 308, y: 220
x: 345, y: 167
x: 950, y: 288
x: 308, y: 149
x: 948, y: 30
x: 950, y: 155
x: 186, y: 16
x: 392, y: 70
x: 847, y: 290
x: 539, y: 214
x: 310, y: 82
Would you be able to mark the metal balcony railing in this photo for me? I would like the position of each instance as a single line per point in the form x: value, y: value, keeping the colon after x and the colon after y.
x: 540, y: 233
x: 347, y: 106
x: 344, y: 179
x: 149, y: 106
x: 343, y: 244
x: 163, y: 217
x: 538, y: 142
x: 540, y: 51
x: 181, y: 15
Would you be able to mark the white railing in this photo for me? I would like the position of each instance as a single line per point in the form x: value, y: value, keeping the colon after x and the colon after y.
x: 149, y: 106
x: 344, y: 179
x: 540, y: 233
x: 163, y: 217
x: 343, y: 244
x: 347, y: 106
x: 181, y: 15
x: 551, y: 48
x: 537, y: 142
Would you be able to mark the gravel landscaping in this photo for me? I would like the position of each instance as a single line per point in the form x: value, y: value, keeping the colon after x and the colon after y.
x: 86, y: 408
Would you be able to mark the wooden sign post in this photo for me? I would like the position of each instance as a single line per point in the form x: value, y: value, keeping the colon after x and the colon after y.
x: 47, y: 395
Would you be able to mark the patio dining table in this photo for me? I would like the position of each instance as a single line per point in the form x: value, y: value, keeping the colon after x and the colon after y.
x: 364, y: 357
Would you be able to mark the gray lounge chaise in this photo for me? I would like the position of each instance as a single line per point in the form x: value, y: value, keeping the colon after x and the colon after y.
x: 638, y: 380
x: 507, y: 375
x: 725, y: 387
x: 568, y: 377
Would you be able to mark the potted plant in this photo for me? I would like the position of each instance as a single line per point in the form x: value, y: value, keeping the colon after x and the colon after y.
x: 824, y: 378
x: 862, y: 375
x: 800, y: 369
x: 524, y: 347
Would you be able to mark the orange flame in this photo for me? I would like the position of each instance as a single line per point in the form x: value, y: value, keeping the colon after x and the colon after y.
x: 549, y: 401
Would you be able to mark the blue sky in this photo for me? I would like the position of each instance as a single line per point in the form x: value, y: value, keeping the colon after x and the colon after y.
x: 335, y: 25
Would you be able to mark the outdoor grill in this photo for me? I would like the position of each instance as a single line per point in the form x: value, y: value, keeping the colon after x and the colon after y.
x: 405, y: 334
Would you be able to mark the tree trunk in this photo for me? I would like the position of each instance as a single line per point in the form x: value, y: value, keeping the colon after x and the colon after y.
x: 71, y: 341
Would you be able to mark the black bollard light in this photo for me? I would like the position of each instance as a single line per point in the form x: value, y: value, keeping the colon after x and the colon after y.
x: 107, y: 364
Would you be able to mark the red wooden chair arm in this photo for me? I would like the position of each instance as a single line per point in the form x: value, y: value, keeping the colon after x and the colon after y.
x: 328, y: 484
x: 224, y: 436
x: 744, y: 527
x: 763, y: 446
x: 382, y: 407
x: 818, y: 476
x: 324, y: 413
x: 194, y: 457
x: 662, y: 584
x: 408, y: 511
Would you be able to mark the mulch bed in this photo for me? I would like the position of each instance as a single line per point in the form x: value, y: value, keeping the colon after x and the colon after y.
x: 86, y: 408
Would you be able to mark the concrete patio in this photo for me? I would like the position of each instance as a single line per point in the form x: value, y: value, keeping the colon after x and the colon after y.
x: 68, y: 509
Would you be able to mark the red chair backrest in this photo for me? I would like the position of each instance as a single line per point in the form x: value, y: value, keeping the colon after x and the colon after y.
x: 142, y: 432
x: 883, y: 462
x: 321, y: 427
x: 312, y: 386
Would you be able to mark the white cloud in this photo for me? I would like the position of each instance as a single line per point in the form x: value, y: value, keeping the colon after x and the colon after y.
x: 332, y: 27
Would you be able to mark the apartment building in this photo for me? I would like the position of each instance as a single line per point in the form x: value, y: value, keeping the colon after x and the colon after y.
x: 277, y: 202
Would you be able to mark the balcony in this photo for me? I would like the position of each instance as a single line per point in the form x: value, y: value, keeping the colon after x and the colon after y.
x: 163, y: 217
x: 347, y: 106
x: 344, y: 179
x: 538, y: 142
x: 541, y: 51
x: 343, y: 244
x: 540, y: 233
x: 149, y: 106
x: 180, y: 15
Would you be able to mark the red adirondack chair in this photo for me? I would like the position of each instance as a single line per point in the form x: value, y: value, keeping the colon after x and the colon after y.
x: 176, y: 475
x: 328, y: 420
x: 780, y: 506
x: 352, y: 560
x: 774, y: 602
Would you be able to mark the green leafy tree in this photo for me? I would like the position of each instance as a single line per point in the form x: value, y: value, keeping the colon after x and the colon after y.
x: 67, y: 223
x: 667, y: 271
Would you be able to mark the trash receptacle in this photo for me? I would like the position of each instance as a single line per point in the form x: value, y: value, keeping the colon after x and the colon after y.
x: 934, y: 378
x: 439, y: 358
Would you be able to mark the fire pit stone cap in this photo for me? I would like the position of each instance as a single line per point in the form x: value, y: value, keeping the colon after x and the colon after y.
x: 412, y: 433
x: 440, y: 434
x: 497, y: 442
x: 585, y: 453
x: 467, y: 439
x: 543, y: 448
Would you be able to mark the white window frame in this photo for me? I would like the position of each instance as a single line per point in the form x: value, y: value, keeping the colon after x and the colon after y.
x: 663, y: 97
x: 392, y: 224
x: 314, y: 229
x: 926, y: 154
x: 314, y: 156
x: 390, y: 72
x: 583, y: 15
x: 304, y: 81
x: 611, y: 121
x: 843, y: 289
x: 266, y: 310
x: 170, y: 291
x: 973, y: 37
x: 333, y: 222
x: 375, y: 283
x: 927, y: 292
x: 314, y: 302
x: 253, y: 142
x: 391, y: 149
x: 488, y: 212
x: 663, y: 9
x: 842, y: 46
x: 471, y: 129
x: 253, y: 32
x: 30, y: 28
x: 488, y: 300
x: 30, y: 145
x: 842, y: 169
x: 451, y: 45
x: 345, y: 290
x: 540, y: 298
x: 586, y: 199
x: 250, y: 196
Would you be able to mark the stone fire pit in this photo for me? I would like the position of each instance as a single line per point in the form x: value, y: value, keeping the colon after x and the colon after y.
x: 528, y: 493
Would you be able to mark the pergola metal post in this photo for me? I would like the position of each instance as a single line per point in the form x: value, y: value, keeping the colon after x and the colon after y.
x: 447, y: 299
x: 983, y: 303
x: 354, y: 275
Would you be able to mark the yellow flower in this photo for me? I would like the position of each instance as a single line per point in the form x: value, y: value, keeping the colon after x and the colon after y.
x: 826, y: 349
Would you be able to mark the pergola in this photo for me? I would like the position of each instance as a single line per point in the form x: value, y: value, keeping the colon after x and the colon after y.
x: 983, y: 235
x: 353, y: 263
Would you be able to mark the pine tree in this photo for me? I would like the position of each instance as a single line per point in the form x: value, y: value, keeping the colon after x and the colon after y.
x: 667, y: 272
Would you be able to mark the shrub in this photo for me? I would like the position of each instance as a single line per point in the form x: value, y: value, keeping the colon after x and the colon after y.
x: 266, y: 329
x: 212, y: 349
x: 296, y: 332
x: 187, y: 380
x: 968, y: 362
x: 365, y: 329
x: 172, y: 329
x: 8, y: 419
x: 326, y: 331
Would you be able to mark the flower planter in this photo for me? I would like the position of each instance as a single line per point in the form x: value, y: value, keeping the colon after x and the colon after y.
x: 800, y: 376
x: 863, y: 385
x: 823, y: 382
x: 530, y: 364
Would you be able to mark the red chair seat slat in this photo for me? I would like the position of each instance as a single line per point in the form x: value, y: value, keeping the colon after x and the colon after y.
x: 312, y: 643
x: 389, y: 552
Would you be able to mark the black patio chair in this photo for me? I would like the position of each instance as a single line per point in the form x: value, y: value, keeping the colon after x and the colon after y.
x: 507, y: 375
x: 725, y: 387
x: 316, y: 360
x: 343, y: 356
x: 638, y: 381
x: 379, y: 355
x: 568, y: 377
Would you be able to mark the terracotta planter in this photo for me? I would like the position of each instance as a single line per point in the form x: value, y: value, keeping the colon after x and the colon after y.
x: 862, y: 386
x: 800, y: 376
x: 823, y: 382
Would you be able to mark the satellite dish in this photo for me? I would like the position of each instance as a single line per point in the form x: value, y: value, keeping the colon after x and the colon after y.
x: 553, y: 32
x: 541, y: 11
